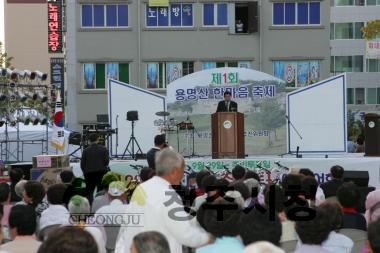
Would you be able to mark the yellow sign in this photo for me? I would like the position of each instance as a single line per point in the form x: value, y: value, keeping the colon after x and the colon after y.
x: 160, y: 3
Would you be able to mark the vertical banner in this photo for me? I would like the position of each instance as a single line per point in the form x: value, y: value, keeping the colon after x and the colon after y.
x: 173, y: 71
x: 152, y: 75
x: 57, y: 77
x: 159, y: 3
x: 55, y: 34
x: 58, y: 139
x: 302, y: 73
x: 290, y: 74
x: 315, y: 73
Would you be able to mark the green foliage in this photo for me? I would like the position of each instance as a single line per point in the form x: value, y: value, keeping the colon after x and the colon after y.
x: 271, y: 115
x: 5, y: 60
x: 371, y: 30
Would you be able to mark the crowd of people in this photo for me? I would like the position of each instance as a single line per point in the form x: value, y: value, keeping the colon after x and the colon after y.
x: 158, y: 215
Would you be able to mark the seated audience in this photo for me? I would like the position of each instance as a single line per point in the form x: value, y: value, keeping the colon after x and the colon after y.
x: 262, y: 247
x: 372, y: 205
x: 348, y: 196
x: 198, y: 179
x: 244, y: 192
x: 309, y: 188
x: 253, y: 187
x: 146, y: 173
x: 335, y: 242
x: 67, y: 177
x: 374, y: 236
x: 15, y: 175
x: 258, y: 226
x: 319, y: 195
x: 291, y: 182
x: 79, y: 208
x: 34, y: 195
x: 330, y: 188
x: 206, y: 184
x: 220, y: 218
x: 22, y: 224
x: 69, y: 240
x: 238, y: 172
x: 102, y: 198
x: 251, y: 174
x: 56, y: 213
x: 5, y: 201
x: 150, y: 242
x: 313, y: 232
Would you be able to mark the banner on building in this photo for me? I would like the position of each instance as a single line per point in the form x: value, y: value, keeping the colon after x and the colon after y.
x: 194, y: 97
x: 58, y: 138
x: 55, y: 34
x: 160, y: 3
x: 373, y: 49
x: 57, y: 76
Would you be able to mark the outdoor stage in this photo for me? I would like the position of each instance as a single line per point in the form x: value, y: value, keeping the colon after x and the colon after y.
x: 319, y: 164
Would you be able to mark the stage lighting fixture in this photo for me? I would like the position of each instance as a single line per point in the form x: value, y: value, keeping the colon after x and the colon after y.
x: 41, y: 76
x: 34, y: 120
x: 12, y: 96
x: 12, y: 74
x: 43, y: 97
x: 20, y: 73
x: 30, y: 74
x: 3, y: 72
x: 43, y: 121
x: 33, y: 95
x: 23, y: 96
x: 24, y: 119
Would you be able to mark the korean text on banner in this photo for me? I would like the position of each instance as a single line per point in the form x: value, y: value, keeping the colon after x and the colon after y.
x: 58, y: 139
x: 373, y: 49
x: 160, y: 3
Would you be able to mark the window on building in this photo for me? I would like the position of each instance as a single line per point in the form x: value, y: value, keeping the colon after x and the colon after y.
x: 104, y: 15
x: 373, y: 2
x: 176, y: 15
x: 347, y: 30
x: 355, y: 2
x: 297, y: 73
x: 296, y: 13
x: 95, y: 74
x: 350, y: 96
x: 359, y: 96
x: 246, y: 18
x: 215, y: 14
x: 371, y: 96
x: 342, y: 64
x: 378, y: 96
x: 161, y: 74
x: 373, y: 65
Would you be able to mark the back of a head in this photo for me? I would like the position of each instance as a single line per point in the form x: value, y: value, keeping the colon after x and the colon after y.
x: 55, y: 194
x: 20, y: 187
x: 15, y: 175
x: 166, y: 161
x: 306, y: 172
x: 151, y: 242
x: 159, y: 140
x: 242, y: 188
x: 35, y: 190
x: 146, y: 173
x: 291, y: 180
x: 274, y: 198
x: 208, y: 182
x: 69, y: 240
x: 200, y: 175
x: 374, y: 236
x: 67, y: 176
x: 79, y: 205
x: 337, y: 172
x: 238, y: 172
x: 259, y: 226
x: 251, y: 174
x: 5, y: 191
x: 309, y: 186
x: 220, y: 218
x: 348, y: 195
x: 262, y: 247
x: 316, y: 230
x: 23, y: 219
x: 335, y: 214
x: 93, y: 137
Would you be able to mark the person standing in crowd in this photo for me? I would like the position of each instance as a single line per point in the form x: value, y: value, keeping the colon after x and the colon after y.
x: 238, y: 172
x: 150, y: 242
x: 159, y: 144
x: 348, y: 196
x: 102, y: 197
x: 22, y: 223
x: 330, y: 188
x: 227, y: 105
x: 94, y: 165
x: 34, y: 195
x: 5, y: 199
x: 372, y: 205
x: 374, y: 236
x: 319, y: 195
x: 15, y: 175
x: 153, y: 199
x: 69, y: 240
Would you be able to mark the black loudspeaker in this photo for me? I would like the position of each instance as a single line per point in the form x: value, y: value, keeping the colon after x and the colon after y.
x: 102, y: 118
x: 25, y: 167
x: 132, y: 116
x: 372, y: 134
x: 360, y: 177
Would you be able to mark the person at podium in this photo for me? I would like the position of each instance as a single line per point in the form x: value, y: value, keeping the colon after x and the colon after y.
x: 227, y: 105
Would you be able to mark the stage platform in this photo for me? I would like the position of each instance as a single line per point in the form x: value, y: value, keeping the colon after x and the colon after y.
x: 264, y: 165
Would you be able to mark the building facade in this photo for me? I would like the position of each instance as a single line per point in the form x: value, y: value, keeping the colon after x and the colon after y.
x: 128, y: 40
x: 348, y: 53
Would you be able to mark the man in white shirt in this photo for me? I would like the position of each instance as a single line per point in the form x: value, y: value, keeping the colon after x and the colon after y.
x: 155, y: 206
